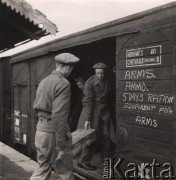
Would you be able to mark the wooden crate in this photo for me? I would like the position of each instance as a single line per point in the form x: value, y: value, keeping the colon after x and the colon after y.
x: 82, y: 138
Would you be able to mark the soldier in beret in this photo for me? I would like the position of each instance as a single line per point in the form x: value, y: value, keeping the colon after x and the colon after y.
x: 96, y: 114
x: 53, y: 139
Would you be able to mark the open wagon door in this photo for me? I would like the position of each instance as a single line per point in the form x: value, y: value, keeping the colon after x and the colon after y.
x: 145, y: 103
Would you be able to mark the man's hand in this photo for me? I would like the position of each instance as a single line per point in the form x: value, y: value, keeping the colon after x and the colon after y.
x: 60, y: 155
x: 87, y: 125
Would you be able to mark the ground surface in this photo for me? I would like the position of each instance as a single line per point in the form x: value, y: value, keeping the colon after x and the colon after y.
x: 14, y: 165
x: 91, y: 175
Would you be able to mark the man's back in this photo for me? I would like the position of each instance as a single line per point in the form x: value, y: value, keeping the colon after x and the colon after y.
x: 53, y: 139
x: 47, y: 89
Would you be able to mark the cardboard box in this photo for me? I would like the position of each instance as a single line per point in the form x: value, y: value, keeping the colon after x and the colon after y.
x: 82, y: 138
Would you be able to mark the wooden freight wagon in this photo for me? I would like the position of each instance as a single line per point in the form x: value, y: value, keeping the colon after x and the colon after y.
x: 145, y: 79
x: 141, y: 50
x: 31, y: 66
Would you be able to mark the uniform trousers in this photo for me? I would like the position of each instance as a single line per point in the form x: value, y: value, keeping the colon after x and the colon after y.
x: 45, y: 143
x: 86, y: 154
x: 102, y: 144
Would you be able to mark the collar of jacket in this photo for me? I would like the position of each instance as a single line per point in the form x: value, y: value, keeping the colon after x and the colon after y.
x: 57, y: 73
x: 97, y: 81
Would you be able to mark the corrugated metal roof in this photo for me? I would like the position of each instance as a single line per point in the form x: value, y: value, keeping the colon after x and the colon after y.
x: 30, y: 14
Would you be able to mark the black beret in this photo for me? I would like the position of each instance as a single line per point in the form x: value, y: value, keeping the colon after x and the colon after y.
x: 100, y: 66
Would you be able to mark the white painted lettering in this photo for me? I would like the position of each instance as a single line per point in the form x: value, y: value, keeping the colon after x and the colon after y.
x: 156, y: 98
x: 124, y: 97
x: 166, y: 110
x: 142, y: 56
x: 135, y: 97
x: 150, y: 74
x: 133, y: 74
x: 138, y: 107
x: 127, y: 75
x: 143, y: 61
x: 153, y: 51
x: 136, y: 74
x: 143, y: 120
x: 146, y: 121
x: 154, y: 123
x: 136, y: 86
x: 134, y: 53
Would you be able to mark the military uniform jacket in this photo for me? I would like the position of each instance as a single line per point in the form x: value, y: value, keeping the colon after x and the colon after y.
x: 52, y: 102
x: 97, y: 105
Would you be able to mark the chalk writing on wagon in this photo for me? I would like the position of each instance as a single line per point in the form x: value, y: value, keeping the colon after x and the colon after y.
x: 142, y: 120
x: 145, y: 56
x: 148, y: 97
x: 148, y: 108
x: 137, y: 74
x: 136, y: 86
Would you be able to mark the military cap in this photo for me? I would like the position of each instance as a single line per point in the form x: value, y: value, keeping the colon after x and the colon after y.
x: 66, y: 58
x: 100, y: 66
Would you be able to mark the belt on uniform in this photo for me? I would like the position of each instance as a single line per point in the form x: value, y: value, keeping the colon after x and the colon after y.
x: 42, y: 119
x: 45, y: 124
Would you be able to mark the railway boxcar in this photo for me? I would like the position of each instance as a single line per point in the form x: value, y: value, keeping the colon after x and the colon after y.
x: 141, y: 50
x: 28, y: 73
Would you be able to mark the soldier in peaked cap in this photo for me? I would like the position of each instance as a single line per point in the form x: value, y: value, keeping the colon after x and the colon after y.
x: 53, y: 139
x: 66, y: 58
x: 96, y: 114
